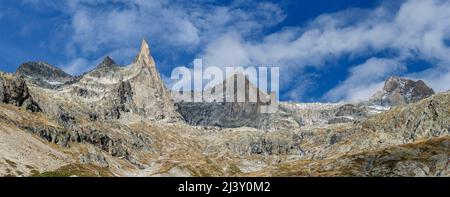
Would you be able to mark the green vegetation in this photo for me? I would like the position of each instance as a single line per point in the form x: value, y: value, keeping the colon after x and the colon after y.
x: 77, y: 170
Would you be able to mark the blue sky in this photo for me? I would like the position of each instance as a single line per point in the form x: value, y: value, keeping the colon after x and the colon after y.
x: 327, y: 50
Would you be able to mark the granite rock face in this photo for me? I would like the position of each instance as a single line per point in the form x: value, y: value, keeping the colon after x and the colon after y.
x: 150, y: 96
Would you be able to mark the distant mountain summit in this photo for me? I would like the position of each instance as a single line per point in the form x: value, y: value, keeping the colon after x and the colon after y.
x: 41, y: 69
x: 107, y: 62
x: 398, y: 91
x: 43, y: 74
x: 107, y: 68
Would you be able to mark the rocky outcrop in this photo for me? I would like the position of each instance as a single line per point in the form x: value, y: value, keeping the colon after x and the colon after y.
x: 351, y: 110
x: 44, y: 74
x: 123, y: 102
x: 424, y: 119
x: 229, y: 115
x: 94, y: 158
x: 54, y: 135
x: 310, y: 115
x: 14, y: 90
x: 399, y: 91
x: 349, y: 113
x: 267, y: 145
x: 73, y: 133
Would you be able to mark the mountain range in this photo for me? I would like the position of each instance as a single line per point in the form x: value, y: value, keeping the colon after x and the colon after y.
x: 122, y: 121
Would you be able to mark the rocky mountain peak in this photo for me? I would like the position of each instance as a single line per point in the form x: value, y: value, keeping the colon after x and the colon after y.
x: 107, y: 62
x: 108, y: 68
x: 43, y: 74
x: 144, y: 56
x: 406, y: 85
x: 41, y: 69
x: 397, y: 91
x: 150, y: 95
x: 145, y: 68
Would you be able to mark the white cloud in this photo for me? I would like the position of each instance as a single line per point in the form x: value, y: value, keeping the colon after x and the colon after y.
x: 438, y: 78
x: 417, y: 28
x: 76, y: 66
x: 97, y: 28
x: 175, y: 25
x: 227, y: 50
x: 364, y: 80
